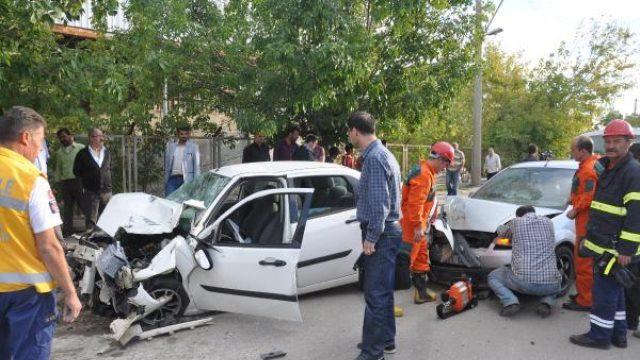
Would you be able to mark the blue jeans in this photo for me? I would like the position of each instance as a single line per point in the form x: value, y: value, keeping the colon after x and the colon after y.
x: 453, y: 179
x: 27, y: 322
x: 503, y: 283
x: 174, y: 182
x: 379, y: 327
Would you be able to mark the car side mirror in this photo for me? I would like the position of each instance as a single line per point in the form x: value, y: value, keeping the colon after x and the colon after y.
x: 196, y: 204
x: 203, y: 259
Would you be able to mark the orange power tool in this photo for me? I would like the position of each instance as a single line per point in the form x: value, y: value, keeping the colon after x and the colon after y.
x: 457, y: 299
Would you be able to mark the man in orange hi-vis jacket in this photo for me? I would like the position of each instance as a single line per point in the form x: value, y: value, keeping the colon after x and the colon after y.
x: 582, y: 191
x: 418, y: 198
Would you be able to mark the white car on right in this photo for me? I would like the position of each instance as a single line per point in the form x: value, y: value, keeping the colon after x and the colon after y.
x: 468, y: 246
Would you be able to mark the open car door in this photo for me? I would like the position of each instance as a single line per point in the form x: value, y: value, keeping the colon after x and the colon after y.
x: 254, y: 248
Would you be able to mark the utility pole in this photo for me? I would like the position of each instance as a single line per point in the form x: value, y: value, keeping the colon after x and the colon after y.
x: 476, y: 159
x: 481, y: 32
x: 635, y: 106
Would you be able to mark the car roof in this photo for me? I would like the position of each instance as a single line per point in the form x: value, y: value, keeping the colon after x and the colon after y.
x: 600, y: 132
x: 279, y: 167
x: 553, y: 164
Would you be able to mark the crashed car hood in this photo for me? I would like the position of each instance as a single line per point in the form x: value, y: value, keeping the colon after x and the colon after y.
x: 483, y: 215
x: 140, y: 213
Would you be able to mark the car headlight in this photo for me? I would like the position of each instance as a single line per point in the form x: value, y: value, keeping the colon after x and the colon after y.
x: 503, y: 242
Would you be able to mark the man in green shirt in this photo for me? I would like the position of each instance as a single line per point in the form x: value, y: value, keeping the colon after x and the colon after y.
x: 69, y: 185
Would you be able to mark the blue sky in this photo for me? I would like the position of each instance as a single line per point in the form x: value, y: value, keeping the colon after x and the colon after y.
x: 535, y: 28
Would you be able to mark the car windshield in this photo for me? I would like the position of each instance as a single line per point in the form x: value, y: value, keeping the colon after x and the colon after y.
x: 205, y: 187
x: 542, y: 187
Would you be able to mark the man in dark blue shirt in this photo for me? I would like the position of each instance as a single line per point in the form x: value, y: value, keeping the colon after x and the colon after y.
x: 378, y: 210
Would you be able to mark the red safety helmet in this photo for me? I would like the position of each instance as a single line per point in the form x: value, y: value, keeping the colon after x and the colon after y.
x: 443, y: 150
x: 618, y: 127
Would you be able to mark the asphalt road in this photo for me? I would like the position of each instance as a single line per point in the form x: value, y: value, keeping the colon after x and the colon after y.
x: 331, y: 329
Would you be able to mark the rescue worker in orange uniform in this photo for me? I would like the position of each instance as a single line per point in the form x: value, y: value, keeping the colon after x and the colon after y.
x: 418, y: 199
x: 582, y: 191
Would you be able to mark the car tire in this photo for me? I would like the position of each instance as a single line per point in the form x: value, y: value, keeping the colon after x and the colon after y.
x: 564, y: 258
x: 360, y: 279
x: 174, y: 309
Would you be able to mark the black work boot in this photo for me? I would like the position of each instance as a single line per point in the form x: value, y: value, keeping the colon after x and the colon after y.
x: 619, y: 342
x: 586, y: 341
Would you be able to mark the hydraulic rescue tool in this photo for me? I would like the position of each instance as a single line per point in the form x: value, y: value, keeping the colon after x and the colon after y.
x: 457, y: 299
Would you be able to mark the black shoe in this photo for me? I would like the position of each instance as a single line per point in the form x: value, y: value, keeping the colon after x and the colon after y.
x: 510, y: 310
x: 586, y: 341
x: 543, y: 310
x: 388, y: 349
x: 574, y: 306
x: 619, y: 342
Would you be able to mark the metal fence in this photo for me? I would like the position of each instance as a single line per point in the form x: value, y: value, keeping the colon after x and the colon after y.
x: 409, y: 155
x: 138, y: 161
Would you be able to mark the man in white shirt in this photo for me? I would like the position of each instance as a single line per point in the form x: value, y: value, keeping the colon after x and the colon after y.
x: 181, y: 160
x: 93, y: 167
x: 492, y: 164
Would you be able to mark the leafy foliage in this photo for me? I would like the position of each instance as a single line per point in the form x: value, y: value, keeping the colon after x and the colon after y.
x: 564, y: 95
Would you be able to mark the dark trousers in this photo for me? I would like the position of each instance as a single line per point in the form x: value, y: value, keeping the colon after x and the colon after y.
x: 453, y: 179
x: 490, y: 175
x: 632, y: 299
x: 71, y: 191
x: 379, y: 327
x: 608, y: 316
x: 93, y: 205
x: 27, y: 323
x: 173, y: 183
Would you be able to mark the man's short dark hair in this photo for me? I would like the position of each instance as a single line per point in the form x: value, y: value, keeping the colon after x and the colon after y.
x: 293, y: 127
x: 17, y: 120
x: 334, y: 151
x: 584, y: 143
x: 310, y: 138
x: 525, y: 209
x: 363, y: 122
x: 533, y: 148
x: 63, y: 131
x: 634, y: 149
x: 348, y: 148
x: 184, y: 127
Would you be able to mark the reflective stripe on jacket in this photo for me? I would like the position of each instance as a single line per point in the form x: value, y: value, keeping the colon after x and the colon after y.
x: 20, y: 262
x: 614, y: 215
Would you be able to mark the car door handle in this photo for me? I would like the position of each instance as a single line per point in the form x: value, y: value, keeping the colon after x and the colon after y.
x: 272, y: 262
x: 351, y: 220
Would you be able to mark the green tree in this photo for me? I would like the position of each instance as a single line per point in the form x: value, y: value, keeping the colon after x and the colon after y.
x: 315, y: 62
x: 564, y: 95
x: 633, y: 119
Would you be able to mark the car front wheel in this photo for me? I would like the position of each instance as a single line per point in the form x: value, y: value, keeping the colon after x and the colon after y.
x: 564, y: 257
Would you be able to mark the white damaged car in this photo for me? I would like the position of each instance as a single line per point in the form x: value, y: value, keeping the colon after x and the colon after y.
x: 469, y: 248
x: 243, y: 238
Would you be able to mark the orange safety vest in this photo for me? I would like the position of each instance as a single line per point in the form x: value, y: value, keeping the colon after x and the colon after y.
x: 20, y: 263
